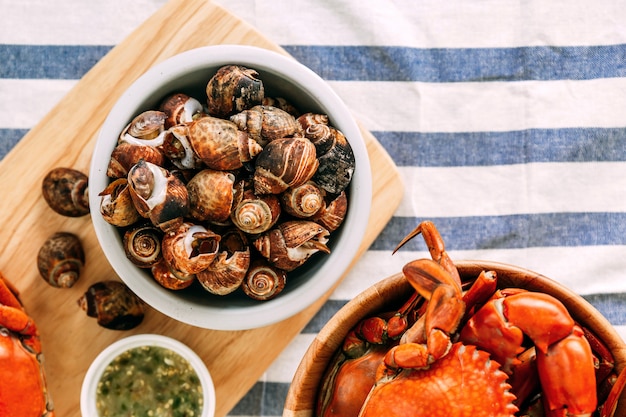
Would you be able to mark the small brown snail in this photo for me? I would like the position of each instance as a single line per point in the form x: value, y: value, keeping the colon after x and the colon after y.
x: 66, y: 191
x: 113, y: 304
x: 60, y: 260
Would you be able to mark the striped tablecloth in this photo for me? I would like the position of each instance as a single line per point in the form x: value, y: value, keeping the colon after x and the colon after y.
x: 507, y: 121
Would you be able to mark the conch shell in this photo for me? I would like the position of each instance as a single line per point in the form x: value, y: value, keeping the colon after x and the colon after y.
x: 168, y: 278
x: 116, y: 205
x: 126, y: 154
x: 158, y: 195
x: 333, y: 212
x: 178, y: 150
x: 336, y: 164
x: 284, y: 163
x: 190, y: 248
x: 232, y: 89
x: 142, y: 245
x: 211, y: 195
x: 266, y: 123
x: 113, y: 304
x: 229, y: 268
x: 220, y: 144
x: 290, y: 244
x: 147, y: 127
x: 304, y: 200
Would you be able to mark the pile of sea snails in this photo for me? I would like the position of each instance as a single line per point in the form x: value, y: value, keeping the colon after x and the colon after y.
x: 233, y: 194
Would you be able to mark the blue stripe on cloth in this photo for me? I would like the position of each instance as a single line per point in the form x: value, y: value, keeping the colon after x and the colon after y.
x: 66, y: 62
x: 367, y: 63
x: 263, y: 399
x: 512, y: 231
x: 385, y: 63
x: 503, y: 148
x: 9, y: 138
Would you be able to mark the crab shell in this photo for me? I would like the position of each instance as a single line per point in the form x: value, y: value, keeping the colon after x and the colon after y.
x: 211, y: 195
x: 266, y: 123
x: 190, y: 248
x: 288, y: 245
x: 220, y: 144
x: 284, y: 163
x: 158, y: 195
x: 465, y: 382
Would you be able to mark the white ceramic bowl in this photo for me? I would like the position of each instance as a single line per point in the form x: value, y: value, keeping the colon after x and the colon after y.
x: 95, y: 371
x: 284, y: 77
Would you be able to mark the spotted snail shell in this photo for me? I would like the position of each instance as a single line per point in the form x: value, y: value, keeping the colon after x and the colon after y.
x: 168, y: 278
x: 147, y: 126
x: 282, y: 104
x: 263, y: 281
x: 116, y: 205
x: 229, y: 268
x: 284, y: 163
x: 333, y: 212
x: 158, y: 194
x: 60, y: 260
x: 304, y: 200
x: 253, y: 213
x: 113, y: 304
x: 266, y: 123
x: 232, y: 89
x: 190, y: 248
x: 125, y: 155
x: 211, y: 195
x: 290, y: 244
x: 180, y: 108
x: 142, y: 245
x: 66, y: 191
x: 220, y: 144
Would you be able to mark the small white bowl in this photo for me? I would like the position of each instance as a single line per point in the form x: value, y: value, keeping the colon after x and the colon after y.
x: 95, y: 371
x: 282, y: 77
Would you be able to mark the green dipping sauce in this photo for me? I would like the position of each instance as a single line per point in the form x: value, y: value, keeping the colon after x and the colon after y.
x: 149, y: 381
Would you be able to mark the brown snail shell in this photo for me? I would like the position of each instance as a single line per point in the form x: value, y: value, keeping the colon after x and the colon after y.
x: 60, y: 260
x: 211, y: 195
x: 266, y: 123
x: 125, y: 155
x: 142, y: 245
x: 190, y: 248
x: 116, y: 205
x: 336, y: 165
x: 263, y: 281
x: 255, y: 213
x: 232, y: 89
x: 180, y: 108
x: 284, y: 163
x: 282, y: 104
x: 229, y: 268
x: 178, y: 150
x: 66, y: 191
x: 322, y: 136
x: 303, y: 201
x: 147, y: 126
x: 288, y: 245
x: 333, y: 213
x: 113, y: 304
x: 158, y: 194
x: 308, y: 119
x: 167, y: 278
x: 220, y: 144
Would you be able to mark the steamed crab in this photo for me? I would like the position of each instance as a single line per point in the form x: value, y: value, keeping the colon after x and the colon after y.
x: 478, y: 351
x: 22, y: 384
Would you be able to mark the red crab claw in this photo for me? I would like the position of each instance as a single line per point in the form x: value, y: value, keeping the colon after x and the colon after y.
x: 14, y: 318
x: 608, y: 409
x: 436, y: 247
x: 562, y: 350
x: 444, y: 312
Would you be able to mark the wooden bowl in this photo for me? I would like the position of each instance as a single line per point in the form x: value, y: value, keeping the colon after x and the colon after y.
x: 392, y: 291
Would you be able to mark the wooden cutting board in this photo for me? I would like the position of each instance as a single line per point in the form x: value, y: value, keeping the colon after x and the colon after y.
x: 66, y: 137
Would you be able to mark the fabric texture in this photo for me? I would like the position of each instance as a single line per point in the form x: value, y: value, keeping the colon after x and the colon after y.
x: 506, y: 121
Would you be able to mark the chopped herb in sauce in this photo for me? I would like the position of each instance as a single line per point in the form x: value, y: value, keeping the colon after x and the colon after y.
x: 149, y: 381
